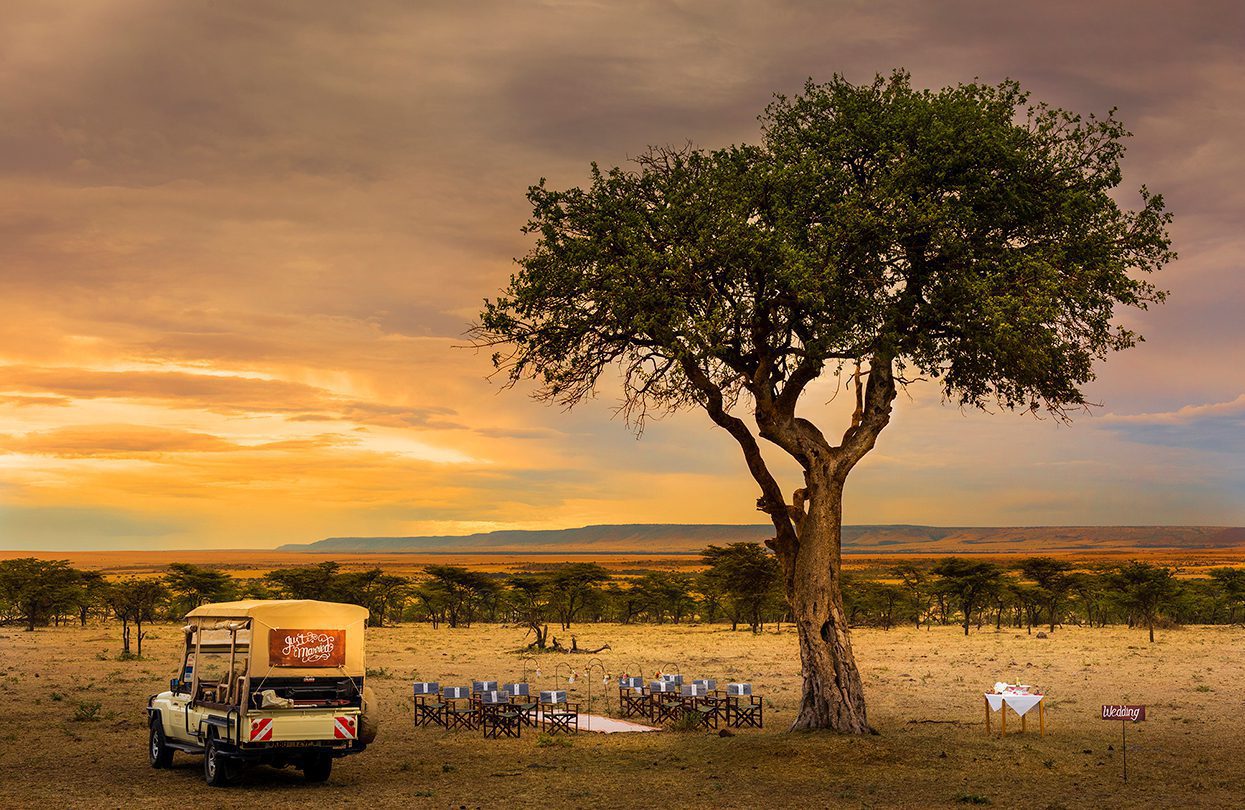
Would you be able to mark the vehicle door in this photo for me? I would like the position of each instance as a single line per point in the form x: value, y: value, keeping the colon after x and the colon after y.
x: 176, y: 723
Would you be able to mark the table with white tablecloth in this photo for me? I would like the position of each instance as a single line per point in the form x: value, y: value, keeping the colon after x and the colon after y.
x: 1018, y: 702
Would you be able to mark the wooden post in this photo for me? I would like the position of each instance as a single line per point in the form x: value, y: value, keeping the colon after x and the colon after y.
x: 1124, y: 737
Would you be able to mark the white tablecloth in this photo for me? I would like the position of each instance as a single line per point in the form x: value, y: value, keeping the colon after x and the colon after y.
x: 1019, y: 703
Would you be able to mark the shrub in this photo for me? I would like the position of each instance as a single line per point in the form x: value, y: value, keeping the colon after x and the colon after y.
x: 86, y: 712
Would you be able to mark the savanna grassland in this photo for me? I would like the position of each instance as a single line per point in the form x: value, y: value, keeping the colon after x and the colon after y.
x: 924, y: 689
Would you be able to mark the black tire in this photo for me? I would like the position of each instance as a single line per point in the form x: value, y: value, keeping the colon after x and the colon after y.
x: 158, y: 751
x: 317, y: 767
x: 217, y: 769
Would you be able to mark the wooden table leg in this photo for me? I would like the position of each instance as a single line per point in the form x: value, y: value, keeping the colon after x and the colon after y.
x: 1041, y: 718
x: 1003, y: 711
x: 1023, y: 718
x: 987, y: 716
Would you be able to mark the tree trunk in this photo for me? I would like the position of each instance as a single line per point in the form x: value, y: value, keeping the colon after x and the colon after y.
x: 833, y: 692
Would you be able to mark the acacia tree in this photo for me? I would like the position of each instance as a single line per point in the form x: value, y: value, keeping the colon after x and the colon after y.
x: 878, y: 231
x: 1054, y: 582
x: 746, y: 573
x: 970, y: 583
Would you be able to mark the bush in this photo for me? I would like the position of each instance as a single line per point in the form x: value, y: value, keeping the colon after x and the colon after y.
x: 86, y: 712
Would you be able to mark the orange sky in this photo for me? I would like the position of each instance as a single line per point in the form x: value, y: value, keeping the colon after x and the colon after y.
x: 240, y: 242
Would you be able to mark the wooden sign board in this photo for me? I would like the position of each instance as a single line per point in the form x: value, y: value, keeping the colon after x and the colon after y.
x: 1115, y: 712
x: 306, y: 648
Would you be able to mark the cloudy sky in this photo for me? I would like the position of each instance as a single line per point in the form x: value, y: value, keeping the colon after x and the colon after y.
x: 240, y: 243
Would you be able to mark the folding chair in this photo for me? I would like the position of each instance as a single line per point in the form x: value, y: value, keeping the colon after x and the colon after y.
x: 633, y: 698
x: 742, y: 707
x: 521, y: 700
x: 714, y: 700
x: 461, y: 710
x: 666, y: 702
x: 694, y: 698
x: 429, y: 708
x: 498, y: 717
x: 556, y: 714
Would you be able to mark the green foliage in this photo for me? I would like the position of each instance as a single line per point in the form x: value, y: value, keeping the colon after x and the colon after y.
x: 552, y: 741
x: 35, y: 590
x: 747, y: 575
x: 194, y: 585
x: 965, y: 233
x: 86, y: 712
x: 384, y: 595
x: 572, y: 587
x: 136, y: 601
x: 969, y: 583
x: 1143, y: 590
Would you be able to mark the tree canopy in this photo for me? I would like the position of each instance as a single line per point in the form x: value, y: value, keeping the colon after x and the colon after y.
x: 964, y: 235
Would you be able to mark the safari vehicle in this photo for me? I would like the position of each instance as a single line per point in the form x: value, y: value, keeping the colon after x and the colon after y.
x: 267, y: 682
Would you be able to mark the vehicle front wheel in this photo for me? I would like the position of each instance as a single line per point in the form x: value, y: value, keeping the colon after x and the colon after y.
x: 317, y: 767
x: 158, y: 751
x: 217, y: 769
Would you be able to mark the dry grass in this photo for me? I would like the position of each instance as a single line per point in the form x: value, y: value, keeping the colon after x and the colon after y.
x: 924, y: 690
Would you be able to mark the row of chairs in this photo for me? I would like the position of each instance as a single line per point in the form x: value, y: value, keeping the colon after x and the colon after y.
x: 670, y: 700
x: 496, y: 712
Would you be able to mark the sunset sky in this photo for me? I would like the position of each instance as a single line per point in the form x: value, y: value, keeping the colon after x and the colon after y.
x: 240, y: 243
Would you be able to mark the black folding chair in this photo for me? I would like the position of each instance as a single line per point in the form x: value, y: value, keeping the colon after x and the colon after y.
x: 695, y: 699
x: 498, y: 717
x: 665, y: 701
x: 556, y: 714
x: 744, y: 709
x: 461, y: 709
x: 429, y: 707
x: 633, y: 698
x: 521, y: 700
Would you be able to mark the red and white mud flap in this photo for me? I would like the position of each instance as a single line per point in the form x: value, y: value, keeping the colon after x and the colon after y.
x: 261, y: 729
x: 345, y: 728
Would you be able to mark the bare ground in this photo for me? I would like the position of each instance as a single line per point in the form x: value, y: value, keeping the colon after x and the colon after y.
x: 924, y: 690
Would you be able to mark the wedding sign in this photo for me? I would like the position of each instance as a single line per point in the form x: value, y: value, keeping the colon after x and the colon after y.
x: 306, y: 648
x: 1134, y: 714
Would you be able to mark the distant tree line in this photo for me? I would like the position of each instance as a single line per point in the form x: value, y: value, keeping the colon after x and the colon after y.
x: 739, y: 584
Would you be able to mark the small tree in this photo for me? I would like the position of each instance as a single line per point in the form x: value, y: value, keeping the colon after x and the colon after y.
x: 1231, y: 581
x: 746, y: 572
x: 464, y: 591
x: 1143, y: 590
x: 530, y: 595
x: 969, y: 583
x: 886, y: 232
x: 571, y: 586
x: 194, y: 585
x: 318, y: 581
x: 136, y: 601
x: 38, y: 589
x: 915, y: 580
x: 1054, y: 581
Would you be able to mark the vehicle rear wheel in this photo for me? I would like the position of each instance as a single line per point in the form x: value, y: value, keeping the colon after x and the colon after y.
x: 158, y: 751
x: 217, y: 769
x: 317, y: 767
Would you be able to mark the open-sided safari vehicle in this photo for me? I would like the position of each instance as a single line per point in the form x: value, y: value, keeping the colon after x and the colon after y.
x: 269, y: 682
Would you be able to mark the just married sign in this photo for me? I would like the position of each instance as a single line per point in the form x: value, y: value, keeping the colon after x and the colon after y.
x: 306, y: 648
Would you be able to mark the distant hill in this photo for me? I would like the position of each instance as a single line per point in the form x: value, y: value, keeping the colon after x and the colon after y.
x: 652, y: 538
